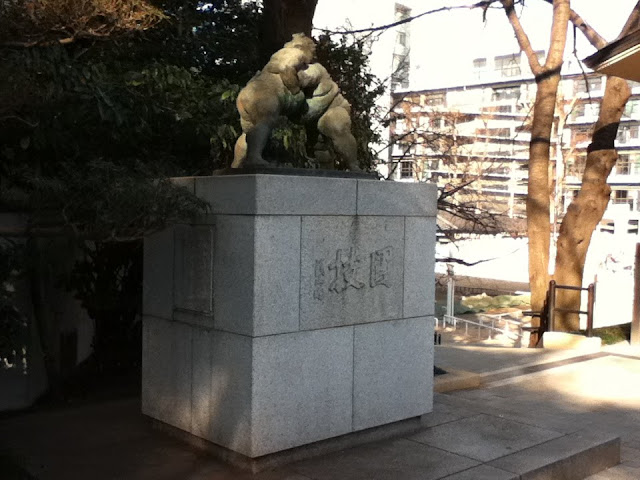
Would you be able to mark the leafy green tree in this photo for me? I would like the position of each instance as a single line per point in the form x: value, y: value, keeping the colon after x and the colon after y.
x: 280, y: 20
x: 101, y: 98
x: 12, y: 322
x: 347, y: 62
x: 86, y: 128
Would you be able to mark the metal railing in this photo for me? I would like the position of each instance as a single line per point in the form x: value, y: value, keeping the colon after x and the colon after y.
x: 489, y: 325
x: 591, y: 289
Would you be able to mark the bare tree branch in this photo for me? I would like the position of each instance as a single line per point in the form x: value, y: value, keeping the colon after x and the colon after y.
x: 591, y: 35
x: 522, y: 37
x: 482, y: 4
x: 19, y: 119
x: 26, y: 24
x: 466, y: 264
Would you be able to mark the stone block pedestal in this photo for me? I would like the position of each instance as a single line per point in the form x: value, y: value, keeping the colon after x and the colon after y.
x: 300, y: 309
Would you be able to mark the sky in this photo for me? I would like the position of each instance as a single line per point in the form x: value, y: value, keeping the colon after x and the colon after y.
x: 444, y: 44
x: 473, y: 38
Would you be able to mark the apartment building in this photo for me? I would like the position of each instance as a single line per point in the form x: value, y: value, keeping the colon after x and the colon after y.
x: 475, y: 137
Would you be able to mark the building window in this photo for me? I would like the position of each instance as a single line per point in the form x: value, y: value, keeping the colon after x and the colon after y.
x: 403, y: 149
x: 406, y: 169
x: 508, y: 93
x: 623, y: 166
x: 621, y: 197
x: 575, y: 165
x: 508, y: 65
x: 493, y: 132
x: 581, y: 135
x: 500, y: 151
x: 592, y: 110
x: 634, y: 163
x: 433, y: 164
x: 400, y: 63
x: 621, y: 194
x: 627, y: 133
x: 400, y: 68
x: 593, y: 84
x: 632, y: 109
x: 433, y: 99
x: 497, y: 109
x: 497, y: 186
x: 437, y: 122
x: 504, y: 108
x: 584, y: 111
x: 578, y: 111
x: 479, y: 68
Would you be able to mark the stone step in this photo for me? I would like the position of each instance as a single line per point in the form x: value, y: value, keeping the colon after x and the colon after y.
x: 454, y: 380
x: 570, y: 457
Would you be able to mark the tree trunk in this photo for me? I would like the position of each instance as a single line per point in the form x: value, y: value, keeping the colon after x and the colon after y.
x: 587, y: 209
x: 538, y: 197
x: 589, y: 206
x: 280, y: 20
x: 539, y: 187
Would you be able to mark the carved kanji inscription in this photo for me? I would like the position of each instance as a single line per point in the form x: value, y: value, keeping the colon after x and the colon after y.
x: 348, y: 269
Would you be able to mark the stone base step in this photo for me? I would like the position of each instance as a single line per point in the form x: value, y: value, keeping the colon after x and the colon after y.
x: 571, y: 457
x: 454, y: 379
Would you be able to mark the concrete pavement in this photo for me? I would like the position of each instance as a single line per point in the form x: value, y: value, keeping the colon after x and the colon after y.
x: 597, y: 395
x: 554, y: 422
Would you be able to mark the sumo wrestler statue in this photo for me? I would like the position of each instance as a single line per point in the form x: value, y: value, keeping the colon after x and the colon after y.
x: 290, y: 84
x: 326, y: 106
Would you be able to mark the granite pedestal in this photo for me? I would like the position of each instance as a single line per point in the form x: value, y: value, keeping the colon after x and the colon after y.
x: 300, y: 309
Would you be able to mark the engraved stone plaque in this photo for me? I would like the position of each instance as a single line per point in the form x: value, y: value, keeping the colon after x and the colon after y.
x: 352, y: 270
x: 193, y: 268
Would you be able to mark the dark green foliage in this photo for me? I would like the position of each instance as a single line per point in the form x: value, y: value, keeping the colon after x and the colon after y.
x: 160, y: 101
x: 168, y: 118
x: 12, y: 467
x: 125, y: 203
x: 108, y: 280
x: 85, y: 131
x: 348, y: 64
x: 87, y: 128
x: 12, y: 322
x: 217, y: 38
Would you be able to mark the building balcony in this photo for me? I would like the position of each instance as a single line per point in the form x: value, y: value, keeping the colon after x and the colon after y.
x: 620, y: 178
x: 628, y: 142
x: 502, y: 192
x: 583, y: 119
x: 590, y: 94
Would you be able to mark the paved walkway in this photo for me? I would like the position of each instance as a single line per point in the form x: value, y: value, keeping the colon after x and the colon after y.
x: 600, y: 395
x: 485, y: 359
x: 496, y: 432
